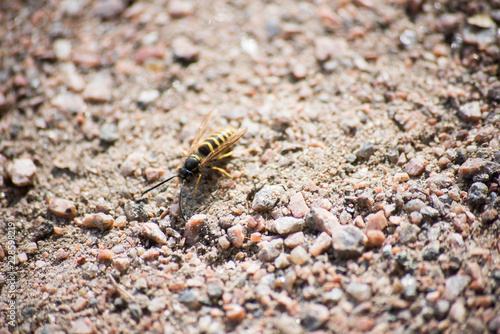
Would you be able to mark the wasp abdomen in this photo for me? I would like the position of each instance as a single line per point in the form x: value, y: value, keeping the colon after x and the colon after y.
x: 214, y: 141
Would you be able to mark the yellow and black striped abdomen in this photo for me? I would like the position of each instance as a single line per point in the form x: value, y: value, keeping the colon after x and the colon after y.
x: 214, y: 141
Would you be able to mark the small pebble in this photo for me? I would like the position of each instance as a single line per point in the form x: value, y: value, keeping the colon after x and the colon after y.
x: 146, y: 52
x: 62, y: 208
x: 61, y: 254
x: 23, y: 257
x: 178, y: 9
x: 295, y: 239
x: 401, y: 177
x: 152, y: 231
x: 458, y: 312
x: 22, y: 172
x: 193, y: 228
x: 281, y: 262
x: 150, y: 254
x: 321, y: 220
x: 62, y: 49
x: 298, y: 205
x: 269, y: 250
x: 470, y: 112
x: 489, y: 216
x: 287, y: 225
x: 409, y: 234
x: 333, y: 296
x: 416, y: 217
x: 375, y: 238
x: 376, y: 221
x: 100, y: 220
x: 148, y: 96
x: 105, y: 254
x: 455, y: 285
x: 299, y: 71
x: 472, y: 166
x: 73, y: 80
x: 120, y: 222
x: 83, y: 326
x: 478, y: 192
x: 321, y: 244
x: 348, y: 241
x: 109, y: 8
x: 236, y: 235
x: 299, y: 255
x: 224, y: 242
x: 366, y: 151
x: 31, y: 247
x: 215, y: 289
x: 135, y: 212
x: 185, y: 50
x: 286, y: 324
x: 109, y: 133
x: 122, y: 264
x: 415, y: 166
x: 80, y: 304
x: 99, y: 89
x: 314, y: 316
x: 414, y: 205
x: 234, y: 312
x: 266, y: 198
x: 359, y: 291
x: 410, y: 285
x: 157, y: 304
x: 431, y: 251
x: 441, y: 308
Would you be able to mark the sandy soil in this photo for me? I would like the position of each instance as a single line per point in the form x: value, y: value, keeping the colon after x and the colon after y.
x: 365, y: 190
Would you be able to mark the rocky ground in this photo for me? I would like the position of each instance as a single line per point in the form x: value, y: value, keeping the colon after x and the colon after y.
x: 365, y: 190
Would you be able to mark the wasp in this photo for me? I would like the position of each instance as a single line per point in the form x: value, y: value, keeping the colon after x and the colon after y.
x: 214, y: 147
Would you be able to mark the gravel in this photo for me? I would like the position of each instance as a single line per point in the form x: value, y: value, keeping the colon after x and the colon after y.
x: 363, y: 196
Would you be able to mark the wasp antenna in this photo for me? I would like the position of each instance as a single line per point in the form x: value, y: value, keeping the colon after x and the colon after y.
x: 156, y: 186
x: 180, y: 201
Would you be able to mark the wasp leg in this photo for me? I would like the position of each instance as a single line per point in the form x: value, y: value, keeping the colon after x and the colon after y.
x: 225, y: 155
x: 222, y: 171
x: 180, y: 201
x: 196, y: 186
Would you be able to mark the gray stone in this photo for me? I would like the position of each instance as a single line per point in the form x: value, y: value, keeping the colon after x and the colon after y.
x: 266, y: 198
x: 157, y: 304
x: 109, y: 133
x: 366, y: 151
x: 269, y: 250
x: 431, y: 251
x: 409, y: 234
x: 477, y: 194
x: 442, y: 306
x: 359, y: 291
x: 189, y: 298
x: 429, y: 212
x: 287, y: 225
x: 314, y: 316
x: 414, y: 205
x: 458, y: 312
x: 135, y: 211
x: 348, y: 241
x: 455, y: 285
x: 333, y: 296
x: 410, y: 287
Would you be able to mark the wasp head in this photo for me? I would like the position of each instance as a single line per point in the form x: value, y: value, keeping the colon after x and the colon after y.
x: 185, y: 173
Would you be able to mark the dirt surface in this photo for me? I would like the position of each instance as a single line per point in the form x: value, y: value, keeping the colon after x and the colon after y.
x: 365, y: 190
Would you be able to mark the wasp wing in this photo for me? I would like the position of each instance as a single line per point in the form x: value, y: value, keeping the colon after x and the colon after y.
x: 202, y: 130
x: 233, y: 139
